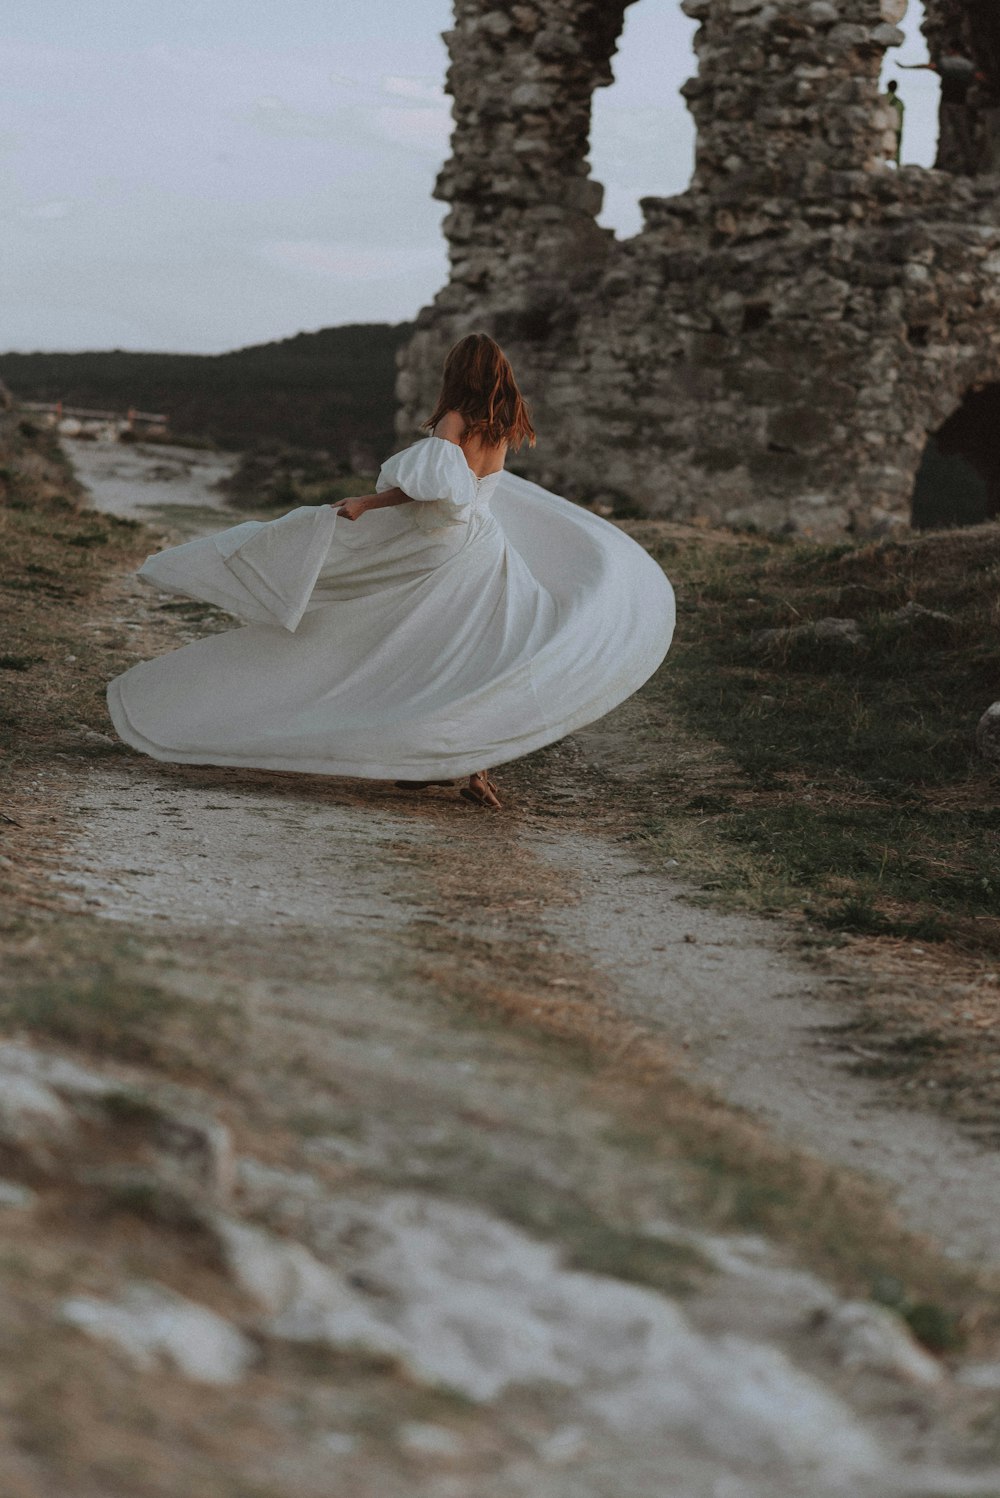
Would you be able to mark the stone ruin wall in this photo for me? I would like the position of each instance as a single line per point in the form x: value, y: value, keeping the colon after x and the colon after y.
x: 775, y: 345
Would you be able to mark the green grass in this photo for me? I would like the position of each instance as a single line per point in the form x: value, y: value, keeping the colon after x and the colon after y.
x: 844, y: 779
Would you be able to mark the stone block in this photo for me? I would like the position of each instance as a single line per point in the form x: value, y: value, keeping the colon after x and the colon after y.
x: 886, y: 35
x: 532, y: 96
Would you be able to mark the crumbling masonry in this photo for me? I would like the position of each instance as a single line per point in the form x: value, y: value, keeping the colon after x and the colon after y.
x: 775, y: 345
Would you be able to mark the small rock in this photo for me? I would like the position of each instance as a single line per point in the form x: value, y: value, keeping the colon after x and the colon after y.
x: 912, y: 611
x: 340, y: 1442
x: 153, y: 1325
x: 566, y: 1444
x: 887, y: 35
x: 30, y: 1111
x: 988, y: 734
x: 200, y: 1144
x: 418, y: 1438
x: 980, y: 1376
x: 308, y: 1301
x: 266, y: 1188
x: 14, y: 1195
x: 840, y: 631
x: 62, y: 1076
x: 532, y: 96
x: 847, y: 631
x: 864, y: 1336
x: 822, y: 13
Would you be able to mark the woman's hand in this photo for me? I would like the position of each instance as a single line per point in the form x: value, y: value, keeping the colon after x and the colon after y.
x: 353, y: 509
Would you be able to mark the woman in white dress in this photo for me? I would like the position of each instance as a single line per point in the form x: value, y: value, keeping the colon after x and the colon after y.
x: 457, y: 618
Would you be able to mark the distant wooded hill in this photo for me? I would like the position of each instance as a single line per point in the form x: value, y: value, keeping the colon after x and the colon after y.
x: 331, y: 390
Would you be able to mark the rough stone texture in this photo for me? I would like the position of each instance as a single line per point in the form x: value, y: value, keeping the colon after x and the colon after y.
x: 971, y: 28
x: 862, y: 1335
x: 470, y: 1303
x: 775, y: 345
x: 152, y: 1324
x: 988, y: 734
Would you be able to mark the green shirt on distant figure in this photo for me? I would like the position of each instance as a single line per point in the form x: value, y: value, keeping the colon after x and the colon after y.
x: 891, y: 97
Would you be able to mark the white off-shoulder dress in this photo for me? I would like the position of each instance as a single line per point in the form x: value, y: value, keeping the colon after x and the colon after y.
x: 421, y: 641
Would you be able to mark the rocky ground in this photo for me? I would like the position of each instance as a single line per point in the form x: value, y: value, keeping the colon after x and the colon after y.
x: 361, y: 1142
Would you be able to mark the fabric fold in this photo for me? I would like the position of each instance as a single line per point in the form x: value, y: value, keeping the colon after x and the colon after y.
x: 262, y: 571
x: 385, y: 652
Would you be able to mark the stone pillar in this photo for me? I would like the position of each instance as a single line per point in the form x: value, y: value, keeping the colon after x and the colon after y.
x: 522, y: 203
x: 522, y: 235
x: 787, y: 90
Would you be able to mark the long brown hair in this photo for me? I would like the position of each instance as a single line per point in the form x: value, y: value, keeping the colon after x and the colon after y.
x: 479, y: 384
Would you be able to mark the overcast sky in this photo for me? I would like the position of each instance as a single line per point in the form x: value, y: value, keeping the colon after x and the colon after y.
x: 202, y: 174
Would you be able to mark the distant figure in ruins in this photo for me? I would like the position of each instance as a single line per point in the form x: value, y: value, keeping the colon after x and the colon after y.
x: 895, y: 103
x: 957, y: 150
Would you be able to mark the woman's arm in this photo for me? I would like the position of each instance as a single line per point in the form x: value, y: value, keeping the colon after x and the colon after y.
x: 352, y: 509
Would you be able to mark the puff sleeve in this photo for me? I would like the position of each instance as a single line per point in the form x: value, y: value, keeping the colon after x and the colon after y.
x: 435, y: 473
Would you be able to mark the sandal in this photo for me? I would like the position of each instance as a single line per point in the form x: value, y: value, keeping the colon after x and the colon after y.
x: 482, y: 794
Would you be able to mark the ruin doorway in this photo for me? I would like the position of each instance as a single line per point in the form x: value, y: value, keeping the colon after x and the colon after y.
x: 958, y: 482
x: 641, y: 133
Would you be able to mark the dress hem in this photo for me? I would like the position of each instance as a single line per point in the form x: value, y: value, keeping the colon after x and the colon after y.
x: 350, y: 770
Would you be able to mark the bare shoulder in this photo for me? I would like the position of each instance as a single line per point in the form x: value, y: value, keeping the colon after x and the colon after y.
x: 451, y: 427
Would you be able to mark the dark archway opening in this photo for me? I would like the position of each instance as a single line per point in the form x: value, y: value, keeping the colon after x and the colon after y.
x: 958, y: 482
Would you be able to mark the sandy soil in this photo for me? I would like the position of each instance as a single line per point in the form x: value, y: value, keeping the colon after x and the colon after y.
x: 399, y: 965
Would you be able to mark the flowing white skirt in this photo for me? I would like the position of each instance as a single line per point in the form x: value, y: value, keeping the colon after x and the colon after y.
x: 420, y: 654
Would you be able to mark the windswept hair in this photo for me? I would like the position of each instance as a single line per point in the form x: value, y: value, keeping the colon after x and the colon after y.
x: 479, y: 384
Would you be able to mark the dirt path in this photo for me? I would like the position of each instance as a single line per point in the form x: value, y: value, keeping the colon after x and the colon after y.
x: 417, y: 1178
x: 761, y: 1027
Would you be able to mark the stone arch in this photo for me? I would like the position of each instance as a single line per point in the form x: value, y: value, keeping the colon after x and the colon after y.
x: 958, y: 480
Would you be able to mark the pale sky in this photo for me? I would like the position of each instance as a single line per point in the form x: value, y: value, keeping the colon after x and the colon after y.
x: 192, y: 176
